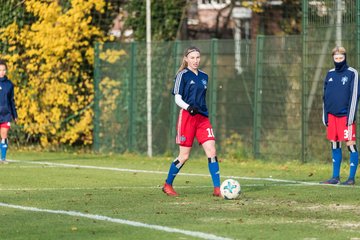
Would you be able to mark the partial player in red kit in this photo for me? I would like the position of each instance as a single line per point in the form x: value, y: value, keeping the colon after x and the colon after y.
x: 7, y: 109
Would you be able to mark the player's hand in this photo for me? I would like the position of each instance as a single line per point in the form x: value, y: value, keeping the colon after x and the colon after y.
x: 192, y: 110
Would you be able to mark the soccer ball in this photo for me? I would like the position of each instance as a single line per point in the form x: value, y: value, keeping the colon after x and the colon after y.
x: 230, y: 189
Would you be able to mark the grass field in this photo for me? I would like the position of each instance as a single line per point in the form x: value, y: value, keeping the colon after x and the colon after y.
x: 83, y: 196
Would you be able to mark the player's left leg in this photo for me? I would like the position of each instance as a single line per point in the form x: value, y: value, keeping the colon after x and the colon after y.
x: 350, y: 138
x: 354, y: 161
x: 205, y: 136
x: 213, y: 164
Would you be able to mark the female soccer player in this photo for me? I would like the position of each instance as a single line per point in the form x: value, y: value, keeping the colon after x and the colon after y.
x: 190, y: 92
x: 7, y: 109
x: 341, y: 96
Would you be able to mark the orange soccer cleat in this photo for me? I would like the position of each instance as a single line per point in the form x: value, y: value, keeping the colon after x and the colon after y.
x: 216, y: 192
x: 169, y: 190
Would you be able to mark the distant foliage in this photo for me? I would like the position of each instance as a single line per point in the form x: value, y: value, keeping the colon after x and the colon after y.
x: 166, y: 17
x: 292, y: 16
x: 49, y: 61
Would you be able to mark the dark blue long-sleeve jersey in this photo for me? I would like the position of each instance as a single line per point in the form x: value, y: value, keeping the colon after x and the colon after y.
x: 192, y: 89
x: 341, y: 93
x: 7, y: 102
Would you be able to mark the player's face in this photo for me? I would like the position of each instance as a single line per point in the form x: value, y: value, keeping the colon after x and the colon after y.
x: 193, y: 60
x: 2, y: 71
x: 339, y: 58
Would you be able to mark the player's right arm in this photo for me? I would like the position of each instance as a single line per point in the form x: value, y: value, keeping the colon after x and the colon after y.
x: 180, y: 102
x: 179, y: 91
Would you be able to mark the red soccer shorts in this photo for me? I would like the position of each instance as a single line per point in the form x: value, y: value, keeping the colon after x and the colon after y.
x: 5, y: 125
x: 338, y: 131
x: 189, y: 127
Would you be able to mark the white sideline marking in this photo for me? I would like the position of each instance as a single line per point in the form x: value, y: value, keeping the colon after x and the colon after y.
x: 117, y: 220
x: 156, y: 172
x: 23, y: 167
x: 184, y: 174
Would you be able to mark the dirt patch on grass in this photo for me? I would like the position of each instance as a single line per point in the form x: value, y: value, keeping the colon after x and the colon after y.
x: 332, y: 224
x: 334, y: 207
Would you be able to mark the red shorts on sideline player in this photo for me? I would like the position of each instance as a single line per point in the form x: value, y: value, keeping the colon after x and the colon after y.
x: 189, y: 127
x: 337, y: 130
x: 5, y: 125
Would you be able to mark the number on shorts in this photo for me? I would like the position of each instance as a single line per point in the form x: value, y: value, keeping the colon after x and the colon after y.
x: 346, y: 134
x: 210, y: 132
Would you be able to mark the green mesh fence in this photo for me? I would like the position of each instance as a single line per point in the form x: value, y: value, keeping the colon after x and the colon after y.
x: 121, y: 97
x: 120, y: 101
x: 265, y: 95
x: 277, y: 120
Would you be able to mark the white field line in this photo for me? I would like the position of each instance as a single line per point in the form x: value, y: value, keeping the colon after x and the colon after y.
x: 117, y: 220
x: 23, y: 167
x: 184, y: 174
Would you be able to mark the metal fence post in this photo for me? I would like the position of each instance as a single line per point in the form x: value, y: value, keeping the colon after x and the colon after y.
x: 96, y: 107
x: 304, y: 120
x: 357, y: 39
x: 173, y: 106
x: 213, y: 82
x: 358, y: 33
x: 258, y: 96
x: 132, y: 98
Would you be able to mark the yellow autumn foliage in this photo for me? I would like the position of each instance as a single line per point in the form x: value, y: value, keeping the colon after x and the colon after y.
x: 49, y: 62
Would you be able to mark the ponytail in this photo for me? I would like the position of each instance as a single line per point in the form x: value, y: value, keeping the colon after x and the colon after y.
x: 183, y: 65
